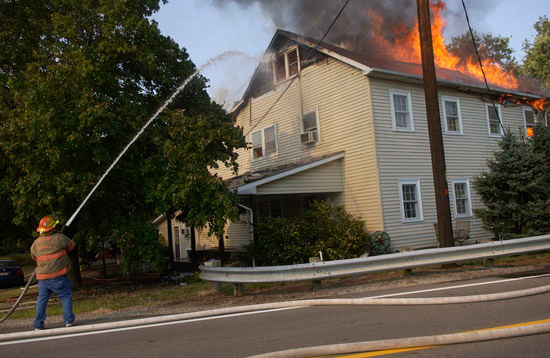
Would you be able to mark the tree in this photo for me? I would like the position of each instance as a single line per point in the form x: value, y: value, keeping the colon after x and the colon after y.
x: 496, y: 48
x: 78, y: 79
x: 537, y: 54
x: 515, y: 189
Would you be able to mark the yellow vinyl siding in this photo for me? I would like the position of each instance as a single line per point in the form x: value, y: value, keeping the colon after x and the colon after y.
x: 325, y: 178
x: 340, y: 95
x: 403, y: 155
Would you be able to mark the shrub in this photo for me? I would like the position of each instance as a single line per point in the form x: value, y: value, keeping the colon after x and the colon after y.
x: 326, y: 228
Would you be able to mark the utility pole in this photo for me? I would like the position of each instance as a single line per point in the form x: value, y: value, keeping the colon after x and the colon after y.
x: 443, y: 208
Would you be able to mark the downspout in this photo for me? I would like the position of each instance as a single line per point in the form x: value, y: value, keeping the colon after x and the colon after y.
x: 251, y: 229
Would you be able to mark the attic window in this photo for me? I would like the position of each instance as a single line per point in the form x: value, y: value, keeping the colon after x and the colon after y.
x: 286, y: 65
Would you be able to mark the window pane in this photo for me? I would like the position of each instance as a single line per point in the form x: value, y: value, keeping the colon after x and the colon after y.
x: 494, y: 123
x: 461, y: 207
x: 280, y: 67
x: 270, y: 143
x: 451, y: 108
x: 310, y: 121
x: 410, y: 210
x: 409, y: 192
x: 460, y: 190
x: 400, y: 102
x: 257, y: 145
x: 292, y: 62
x: 401, y: 120
x: 529, y: 117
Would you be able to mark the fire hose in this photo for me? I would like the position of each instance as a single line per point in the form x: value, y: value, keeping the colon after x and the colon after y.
x: 540, y: 328
x: 151, y: 119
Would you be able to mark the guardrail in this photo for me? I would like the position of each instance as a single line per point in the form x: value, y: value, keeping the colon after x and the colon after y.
x: 317, y: 271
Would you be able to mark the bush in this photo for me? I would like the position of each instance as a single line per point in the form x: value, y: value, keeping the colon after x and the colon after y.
x: 326, y: 228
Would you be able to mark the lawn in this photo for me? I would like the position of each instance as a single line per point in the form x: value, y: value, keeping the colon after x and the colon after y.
x: 100, y: 297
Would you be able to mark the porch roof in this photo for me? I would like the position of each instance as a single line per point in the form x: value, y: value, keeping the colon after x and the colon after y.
x: 252, y: 182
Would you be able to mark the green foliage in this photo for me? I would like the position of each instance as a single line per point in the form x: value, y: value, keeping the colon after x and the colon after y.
x: 515, y: 190
x: 78, y: 79
x: 326, y: 228
x: 537, y: 54
x: 496, y: 48
x: 138, y: 244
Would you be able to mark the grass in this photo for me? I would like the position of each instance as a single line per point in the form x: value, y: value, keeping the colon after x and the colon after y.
x: 112, y: 297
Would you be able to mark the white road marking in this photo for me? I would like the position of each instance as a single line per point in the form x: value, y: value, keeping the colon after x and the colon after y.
x: 251, y: 313
x: 459, y: 286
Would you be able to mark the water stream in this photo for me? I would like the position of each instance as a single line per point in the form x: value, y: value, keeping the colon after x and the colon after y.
x: 159, y: 111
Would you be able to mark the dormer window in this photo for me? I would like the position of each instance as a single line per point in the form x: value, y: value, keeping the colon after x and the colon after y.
x: 286, y: 64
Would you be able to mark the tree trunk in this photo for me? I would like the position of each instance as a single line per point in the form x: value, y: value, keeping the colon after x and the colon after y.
x: 74, y: 272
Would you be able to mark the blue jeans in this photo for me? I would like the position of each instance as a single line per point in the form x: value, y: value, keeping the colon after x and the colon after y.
x: 62, y: 288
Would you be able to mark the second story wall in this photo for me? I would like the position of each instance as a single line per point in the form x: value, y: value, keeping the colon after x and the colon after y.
x: 404, y: 156
x: 339, y: 96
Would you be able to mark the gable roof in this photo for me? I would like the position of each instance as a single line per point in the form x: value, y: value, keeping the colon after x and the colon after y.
x: 374, y: 66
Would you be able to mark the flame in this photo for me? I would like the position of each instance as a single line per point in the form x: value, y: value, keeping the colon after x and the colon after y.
x: 406, y: 48
x: 539, y: 104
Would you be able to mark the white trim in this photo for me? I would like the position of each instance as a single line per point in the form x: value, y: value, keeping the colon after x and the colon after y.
x: 410, y: 127
x: 420, y: 216
x: 301, y: 117
x: 444, y: 111
x: 468, y: 197
x: 264, y: 154
x: 251, y: 187
x: 525, y: 109
x: 287, y: 67
x: 493, y: 135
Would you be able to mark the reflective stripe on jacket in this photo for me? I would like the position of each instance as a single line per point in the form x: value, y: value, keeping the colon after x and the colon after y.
x: 51, y: 255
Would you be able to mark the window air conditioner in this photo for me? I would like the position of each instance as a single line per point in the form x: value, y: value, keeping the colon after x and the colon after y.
x: 308, y: 137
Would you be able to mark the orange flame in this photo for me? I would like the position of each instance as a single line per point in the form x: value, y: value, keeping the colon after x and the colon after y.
x: 539, y: 104
x: 406, y: 48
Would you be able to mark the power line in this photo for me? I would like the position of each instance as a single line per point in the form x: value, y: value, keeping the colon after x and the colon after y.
x: 481, y: 66
x: 294, y: 78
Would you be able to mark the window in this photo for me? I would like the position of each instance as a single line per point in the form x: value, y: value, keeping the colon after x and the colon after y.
x: 401, y: 111
x: 529, y: 121
x: 411, y: 204
x: 310, y: 125
x: 461, y: 192
x: 264, y: 142
x: 494, y: 120
x: 451, y: 115
x: 286, y: 65
x: 271, y: 208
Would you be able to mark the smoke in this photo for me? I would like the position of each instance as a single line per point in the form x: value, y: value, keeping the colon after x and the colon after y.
x: 356, y: 28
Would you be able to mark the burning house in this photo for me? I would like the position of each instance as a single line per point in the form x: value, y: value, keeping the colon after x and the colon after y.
x: 329, y: 122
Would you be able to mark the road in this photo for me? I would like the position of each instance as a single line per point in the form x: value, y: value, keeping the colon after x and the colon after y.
x: 243, y: 335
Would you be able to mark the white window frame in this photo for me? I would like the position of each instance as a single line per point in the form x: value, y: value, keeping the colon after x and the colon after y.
x: 420, y: 214
x: 318, y: 129
x: 444, y: 110
x: 494, y: 135
x: 468, y: 197
x: 410, y: 127
x: 528, y: 109
x: 262, y: 131
x: 287, y: 67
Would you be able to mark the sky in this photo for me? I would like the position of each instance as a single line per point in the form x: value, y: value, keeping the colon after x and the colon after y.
x: 207, y: 30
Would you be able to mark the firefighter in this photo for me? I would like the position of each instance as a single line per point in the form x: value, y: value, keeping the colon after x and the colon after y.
x: 50, y: 251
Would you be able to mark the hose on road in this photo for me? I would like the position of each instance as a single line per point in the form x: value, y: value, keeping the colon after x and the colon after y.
x: 278, y: 305
x: 413, y: 342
